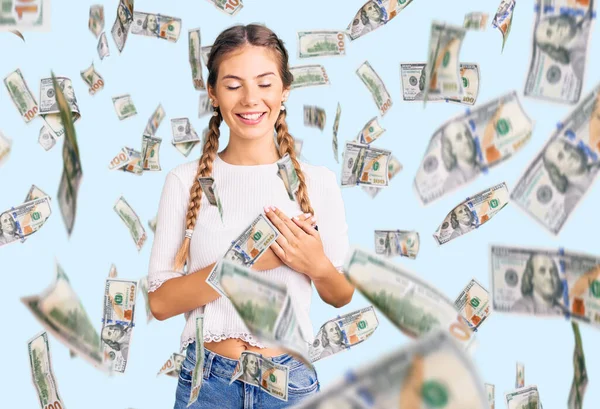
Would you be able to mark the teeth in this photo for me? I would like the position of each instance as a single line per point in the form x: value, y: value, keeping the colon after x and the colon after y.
x: 251, y: 117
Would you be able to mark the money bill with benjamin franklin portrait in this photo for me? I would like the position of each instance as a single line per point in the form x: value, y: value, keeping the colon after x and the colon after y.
x: 31, y: 15
x: 195, y: 58
x: 473, y: 304
x: 183, y: 131
x: 321, y: 43
x: 525, y: 397
x: 132, y: 221
x: 22, y: 221
x: 42, y: 372
x: 260, y: 371
x: 309, y: 76
x: 468, y: 145
x: 156, y: 25
x: 21, y: 95
x: 198, y: 371
x: 393, y: 243
x: 561, y: 36
x: 580, y: 377
x: 49, y: 106
x: 374, y: 14
x: 173, y: 365
x: 376, y: 87
x: 394, y: 166
x: 503, y: 18
x: 231, y: 7
x: 559, y: 176
x: 365, y: 165
x: 120, y: 28
x: 96, y: 20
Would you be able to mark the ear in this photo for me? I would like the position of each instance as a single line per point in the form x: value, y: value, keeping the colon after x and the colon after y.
x: 212, y: 96
x: 285, y: 95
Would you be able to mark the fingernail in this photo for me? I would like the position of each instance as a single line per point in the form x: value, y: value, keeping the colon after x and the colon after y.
x: 307, y: 215
x: 267, y: 209
x: 313, y: 219
x: 295, y: 218
x: 273, y: 208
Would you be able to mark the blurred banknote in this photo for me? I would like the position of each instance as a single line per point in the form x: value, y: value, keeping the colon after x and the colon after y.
x: 503, y: 18
x: 370, y: 132
x: 42, y: 372
x: 257, y: 370
x: 156, y: 25
x: 21, y: 95
x: 376, y: 87
x: 309, y: 76
x: 92, y: 79
x: 126, y: 159
x: 183, y: 131
x: 25, y: 15
x: 470, y: 144
x: 46, y: 138
x: 150, y: 151
x: 5, y: 147
x: 143, y: 286
x: 336, y: 127
x: 365, y: 165
x: 473, y: 304
x: 204, y: 105
x: 132, y: 221
x: 527, y: 397
x: 205, y: 53
x: 287, y: 173
x: 209, y: 188
x: 102, y: 47
x: 476, y: 21
x: 21, y: 221
x: 491, y: 394
x: 374, y: 14
x: 49, y: 106
x: 314, y: 116
x: 195, y: 60
x: 393, y: 243
x: 198, y: 371
x: 96, y: 20
x: 173, y: 365
x: 520, y: 379
x: 120, y: 28
x: 155, y: 120
x: 321, y: 43
x: 124, y: 106
x: 230, y: 7
x: 393, y: 168
x: 580, y: 378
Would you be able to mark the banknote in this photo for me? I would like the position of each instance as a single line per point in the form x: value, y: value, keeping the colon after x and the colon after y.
x: 42, y: 373
x: 195, y: 59
x: 173, y: 365
x: 154, y: 121
x: 432, y: 372
x: 204, y: 105
x: 342, y: 333
x: 22, y: 221
x: 503, y: 18
x: 561, y: 33
x: 393, y: 243
x: 230, y: 7
x: 92, y: 79
x: 443, y: 69
x: 545, y: 282
x: 120, y: 28
x: 117, y: 322
x: 49, y: 109
x: 394, y: 166
x: 205, y: 53
x: 287, y: 173
x: 260, y: 371
x: 156, y: 25
x: 150, y: 151
x: 102, y: 47
x: 476, y: 21
x: 46, y: 138
x: 61, y: 312
x: 336, y: 127
x: 183, y: 131
x: 376, y: 87
x: 134, y: 164
x: 20, y: 94
x: 124, y: 106
x: 314, y: 116
x: 491, y: 394
x: 33, y: 15
x: 563, y: 171
x: 132, y: 221
x: 298, y: 146
x: 414, y: 306
x: 198, y: 371
x: 96, y: 20
x: 365, y: 165
x: 413, y: 84
x: 580, y: 378
x: 112, y: 273
x: 321, y: 43
x: 374, y: 14
x: 471, y: 143
x: 308, y: 76
x: 209, y: 187
x: 123, y: 158
x: 5, y: 147
x: 370, y: 132
x: 143, y: 286
x: 473, y: 304
x: 527, y: 397
x: 520, y: 379
x: 152, y: 224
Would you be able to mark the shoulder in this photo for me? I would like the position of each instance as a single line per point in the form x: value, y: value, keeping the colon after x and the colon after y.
x: 186, y: 172
x: 318, y: 176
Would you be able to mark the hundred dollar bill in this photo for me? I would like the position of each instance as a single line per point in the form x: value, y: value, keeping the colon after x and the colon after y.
x: 61, y: 312
x: 308, y: 76
x: 195, y: 59
x: 22, y: 221
x: 443, y: 69
x: 470, y: 144
x: 49, y: 109
x: 5, y: 147
x: 413, y: 83
x: 580, y: 378
x: 343, y: 332
x: 205, y: 53
x: 21, y: 95
x: 117, y: 322
x: 124, y: 106
x: 365, y: 165
x: 520, y: 379
x: 393, y: 243
x: 156, y: 25
x: 96, y: 20
x: 173, y: 365
x: 93, y: 79
x: 230, y: 7
x: 183, y: 131
x: 209, y: 187
x: 132, y: 221
x: 152, y: 224
x: 121, y: 159
x: 46, y: 138
x: 198, y: 371
x: 257, y: 370
x: 393, y: 168
x: 120, y: 28
x: 472, y: 213
x: 473, y: 304
x: 476, y: 21
x: 503, y: 18
x: 150, y: 150
x: 527, y: 397
x: 102, y: 47
x: 33, y: 15
x: 561, y: 33
x: 314, y: 116
x: 376, y: 87
x: 154, y: 121
x: 321, y: 43
x: 204, y: 105
x: 42, y: 372
x: 491, y: 394
x: 432, y: 372
x: 134, y: 163
x: 370, y: 132
x: 143, y: 286
x: 374, y: 14
x: 336, y: 127
x: 556, y: 180
x: 414, y: 306
x: 287, y: 173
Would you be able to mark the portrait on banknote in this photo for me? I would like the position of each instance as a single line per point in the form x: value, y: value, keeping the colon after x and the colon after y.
x: 251, y: 367
x: 332, y: 339
x: 117, y: 337
x: 8, y: 229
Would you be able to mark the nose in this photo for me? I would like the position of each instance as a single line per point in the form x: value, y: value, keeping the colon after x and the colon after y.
x: 250, y: 96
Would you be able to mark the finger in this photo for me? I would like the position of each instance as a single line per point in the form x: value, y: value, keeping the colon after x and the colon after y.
x: 279, y: 252
x: 296, y: 231
x: 278, y: 223
x: 307, y: 227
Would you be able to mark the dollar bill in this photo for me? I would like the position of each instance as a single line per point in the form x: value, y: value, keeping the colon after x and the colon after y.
x: 42, y: 373
x: 309, y: 76
x: 370, y: 132
x: 336, y: 127
x: 209, y: 187
x: 257, y: 370
x: 230, y: 7
x: 121, y: 159
x: 96, y: 20
x: 298, y: 146
x: 21, y: 95
x: 471, y: 143
x: 61, y: 312
x: 198, y: 371
x: 102, y: 47
x: 376, y: 87
x: 134, y: 163
x: 520, y: 379
x: 491, y: 394
x: 173, y: 365
x: 22, y: 221
x: 117, y: 322
x: 120, y: 28
x: 205, y: 53
x: 183, y: 131
x: 195, y: 58
x: 414, y: 306
x: 112, y: 273
x: 5, y: 147
x: 25, y: 15
x: 476, y: 21
x: 185, y: 148
x: 561, y: 33
x: 287, y: 173
x: 443, y: 69
x: 580, y: 378
x: 204, y: 105
x: 393, y: 243
x: 394, y: 166
x: 413, y: 84
x: 503, y: 18
x: 124, y: 106
x: 46, y: 138
x: 154, y: 121
x: 527, y: 397
x: 93, y: 79
x: 374, y: 14
x: 314, y: 116
x: 547, y: 283
x: 563, y: 171
x: 150, y: 150
x: 132, y: 221
x: 49, y: 109
x: 156, y: 25
x: 143, y: 286
x: 342, y: 333
x: 365, y: 165
x: 321, y: 43
x: 473, y: 304
x: 152, y: 224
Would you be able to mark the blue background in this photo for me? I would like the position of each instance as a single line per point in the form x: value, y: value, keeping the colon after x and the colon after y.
x: 155, y: 71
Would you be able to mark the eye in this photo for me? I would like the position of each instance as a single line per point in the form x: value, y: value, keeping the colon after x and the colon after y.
x: 264, y: 85
x: 232, y: 88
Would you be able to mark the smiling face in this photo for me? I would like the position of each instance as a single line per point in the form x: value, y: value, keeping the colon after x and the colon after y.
x: 333, y: 333
x: 6, y: 224
x: 545, y: 276
x: 112, y: 333
x: 567, y: 158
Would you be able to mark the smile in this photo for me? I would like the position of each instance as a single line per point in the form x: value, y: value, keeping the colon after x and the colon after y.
x: 251, y: 118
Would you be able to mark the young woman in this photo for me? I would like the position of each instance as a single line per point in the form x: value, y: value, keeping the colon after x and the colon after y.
x: 249, y: 79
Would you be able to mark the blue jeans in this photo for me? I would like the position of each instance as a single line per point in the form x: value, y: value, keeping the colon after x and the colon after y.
x: 216, y: 393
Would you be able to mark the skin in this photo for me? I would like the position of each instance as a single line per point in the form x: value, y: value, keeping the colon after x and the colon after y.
x: 6, y: 224
x: 566, y: 158
x: 545, y: 277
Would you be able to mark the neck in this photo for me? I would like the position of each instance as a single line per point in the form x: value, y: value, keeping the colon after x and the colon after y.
x: 245, y: 152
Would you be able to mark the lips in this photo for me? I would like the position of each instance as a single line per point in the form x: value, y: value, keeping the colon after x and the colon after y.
x: 251, y: 118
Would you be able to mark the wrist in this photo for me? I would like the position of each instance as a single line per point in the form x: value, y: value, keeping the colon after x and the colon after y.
x: 321, y: 269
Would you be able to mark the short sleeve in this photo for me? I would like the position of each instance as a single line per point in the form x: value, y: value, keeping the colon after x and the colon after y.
x: 170, y: 232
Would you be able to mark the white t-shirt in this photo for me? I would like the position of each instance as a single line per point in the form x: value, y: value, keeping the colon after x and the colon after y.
x: 244, y: 192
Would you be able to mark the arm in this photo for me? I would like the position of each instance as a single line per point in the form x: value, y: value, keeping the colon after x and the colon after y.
x: 333, y: 287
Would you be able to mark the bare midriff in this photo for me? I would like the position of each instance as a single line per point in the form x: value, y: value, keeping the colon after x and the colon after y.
x: 233, y: 347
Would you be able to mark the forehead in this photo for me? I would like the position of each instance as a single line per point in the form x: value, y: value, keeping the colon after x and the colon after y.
x: 540, y: 261
x: 248, y: 62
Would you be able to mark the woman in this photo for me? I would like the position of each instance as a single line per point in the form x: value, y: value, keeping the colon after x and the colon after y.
x: 248, y: 81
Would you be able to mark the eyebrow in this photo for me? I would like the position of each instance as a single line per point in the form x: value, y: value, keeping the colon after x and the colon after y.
x: 240, y: 79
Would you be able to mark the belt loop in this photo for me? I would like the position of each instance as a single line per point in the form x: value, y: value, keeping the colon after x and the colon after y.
x: 208, y: 363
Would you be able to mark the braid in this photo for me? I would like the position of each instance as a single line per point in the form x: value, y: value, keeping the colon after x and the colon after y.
x: 205, y: 164
x: 286, y: 145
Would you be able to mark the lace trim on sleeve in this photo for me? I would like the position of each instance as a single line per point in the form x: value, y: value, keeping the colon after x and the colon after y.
x: 155, y: 284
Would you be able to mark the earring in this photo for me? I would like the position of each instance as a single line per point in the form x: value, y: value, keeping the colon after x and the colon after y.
x: 282, y: 107
x: 215, y: 111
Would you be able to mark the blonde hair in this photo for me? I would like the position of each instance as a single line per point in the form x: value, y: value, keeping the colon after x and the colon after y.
x: 229, y: 40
